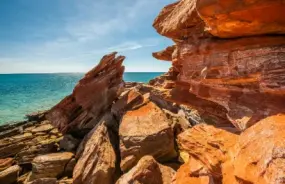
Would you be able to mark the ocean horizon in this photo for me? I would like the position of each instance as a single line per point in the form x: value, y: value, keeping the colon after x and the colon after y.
x: 21, y: 94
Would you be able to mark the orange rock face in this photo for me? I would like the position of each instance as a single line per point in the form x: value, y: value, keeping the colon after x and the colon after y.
x: 148, y: 171
x: 182, y: 177
x: 242, y: 77
x: 245, y: 76
x: 179, y: 20
x: 97, y: 163
x: 166, y: 54
x: 232, y: 18
x: 145, y: 131
x: 209, y: 149
x: 91, y: 97
x: 260, y: 153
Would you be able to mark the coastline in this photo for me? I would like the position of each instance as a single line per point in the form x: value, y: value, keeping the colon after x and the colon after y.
x: 30, y: 95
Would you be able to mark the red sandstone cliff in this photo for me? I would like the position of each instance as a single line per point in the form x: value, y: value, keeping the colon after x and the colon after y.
x: 242, y: 75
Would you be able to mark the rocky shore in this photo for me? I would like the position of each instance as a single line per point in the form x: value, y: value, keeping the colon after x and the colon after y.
x: 216, y: 117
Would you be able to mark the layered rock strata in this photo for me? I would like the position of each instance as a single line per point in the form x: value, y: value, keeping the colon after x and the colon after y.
x: 92, y: 96
x: 227, y: 71
x: 241, y: 76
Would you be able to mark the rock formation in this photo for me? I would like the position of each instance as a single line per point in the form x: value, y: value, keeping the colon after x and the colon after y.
x: 148, y: 171
x: 143, y: 129
x: 216, y: 117
x: 52, y: 165
x: 98, y: 160
x: 241, y: 76
x: 92, y: 96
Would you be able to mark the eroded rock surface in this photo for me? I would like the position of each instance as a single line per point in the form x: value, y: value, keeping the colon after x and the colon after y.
x: 50, y: 166
x: 6, y: 163
x: 36, y: 138
x: 148, y: 171
x: 145, y: 131
x: 205, y: 149
x: 241, y: 77
x: 92, y: 96
x: 166, y: 54
x: 10, y: 175
x: 98, y: 160
x: 260, y: 154
x: 232, y: 18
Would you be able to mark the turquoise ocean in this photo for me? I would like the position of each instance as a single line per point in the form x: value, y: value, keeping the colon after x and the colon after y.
x: 21, y: 94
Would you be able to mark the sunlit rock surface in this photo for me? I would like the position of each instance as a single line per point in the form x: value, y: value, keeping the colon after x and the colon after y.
x: 242, y: 76
x: 91, y: 97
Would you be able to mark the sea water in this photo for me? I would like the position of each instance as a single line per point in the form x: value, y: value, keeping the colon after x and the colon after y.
x: 22, y: 94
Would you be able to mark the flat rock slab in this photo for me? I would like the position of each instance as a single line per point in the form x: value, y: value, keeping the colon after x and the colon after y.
x: 50, y: 165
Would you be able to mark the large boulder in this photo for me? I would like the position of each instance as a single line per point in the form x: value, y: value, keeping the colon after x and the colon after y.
x: 10, y: 175
x: 145, y: 131
x: 148, y: 171
x: 179, y: 21
x: 50, y: 166
x: 207, y: 151
x: 93, y: 95
x: 260, y: 153
x: 97, y: 155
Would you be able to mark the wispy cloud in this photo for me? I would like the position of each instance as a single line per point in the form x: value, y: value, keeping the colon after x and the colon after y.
x: 94, y: 29
x: 129, y: 46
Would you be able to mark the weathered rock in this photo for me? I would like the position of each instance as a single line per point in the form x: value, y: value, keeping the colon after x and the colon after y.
x: 145, y: 131
x: 32, y: 139
x: 129, y: 100
x: 37, y: 116
x: 65, y: 181
x: 68, y: 170
x: 92, y: 96
x: 10, y: 175
x: 50, y: 166
x: 166, y: 54
x: 243, y: 76
x: 231, y: 80
x: 44, y: 181
x: 206, y: 149
x: 97, y: 162
x: 28, y: 153
x: 6, y: 163
x: 10, y: 130
x: 148, y: 171
x: 42, y: 128
x: 179, y: 21
x: 260, y: 153
x: 182, y: 177
x: 233, y: 18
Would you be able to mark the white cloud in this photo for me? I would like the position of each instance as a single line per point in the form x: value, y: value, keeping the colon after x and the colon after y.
x: 129, y: 46
x: 95, y: 29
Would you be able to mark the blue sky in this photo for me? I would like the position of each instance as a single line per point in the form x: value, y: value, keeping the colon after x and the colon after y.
x: 43, y: 36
